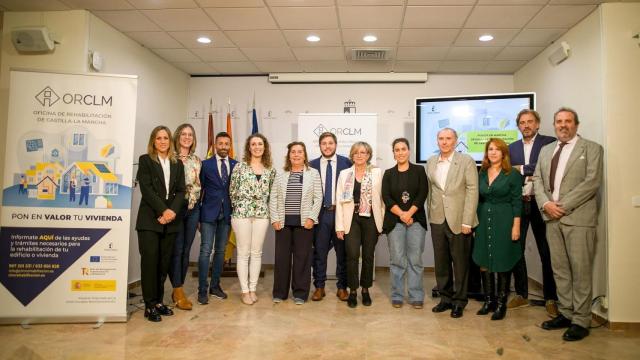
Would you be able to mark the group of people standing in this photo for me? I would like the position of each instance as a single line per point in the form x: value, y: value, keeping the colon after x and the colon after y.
x: 346, y: 203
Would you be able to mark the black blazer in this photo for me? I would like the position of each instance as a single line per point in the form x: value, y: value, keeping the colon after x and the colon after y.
x: 419, y: 188
x: 154, y: 202
x: 516, y: 152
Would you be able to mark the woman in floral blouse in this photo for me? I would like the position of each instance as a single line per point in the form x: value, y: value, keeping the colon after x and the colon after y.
x: 249, y: 190
x: 184, y: 140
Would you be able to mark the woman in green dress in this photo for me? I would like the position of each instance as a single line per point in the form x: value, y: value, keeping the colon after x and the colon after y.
x: 496, y: 248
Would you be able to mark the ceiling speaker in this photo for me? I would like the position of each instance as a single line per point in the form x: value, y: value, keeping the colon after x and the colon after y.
x: 32, y: 39
x: 560, y: 54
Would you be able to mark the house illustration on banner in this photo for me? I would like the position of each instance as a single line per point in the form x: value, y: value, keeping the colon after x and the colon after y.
x: 101, y: 178
x: 44, y: 178
x: 46, y: 189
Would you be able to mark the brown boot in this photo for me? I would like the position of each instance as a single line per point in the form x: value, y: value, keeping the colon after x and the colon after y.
x: 318, y: 294
x: 180, y: 299
x: 342, y: 294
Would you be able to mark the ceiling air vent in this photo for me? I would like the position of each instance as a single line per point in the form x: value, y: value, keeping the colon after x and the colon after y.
x: 377, y: 54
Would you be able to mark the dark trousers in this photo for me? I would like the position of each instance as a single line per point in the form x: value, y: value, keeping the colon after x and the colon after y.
x: 182, y: 245
x: 451, y: 253
x: 531, y: 215
x: 155, y: 257
x: 292, y: 243
x: 363, y: 233
x: 325, y: 239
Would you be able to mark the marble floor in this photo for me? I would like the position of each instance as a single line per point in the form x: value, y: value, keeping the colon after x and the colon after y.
x: 316, y: 330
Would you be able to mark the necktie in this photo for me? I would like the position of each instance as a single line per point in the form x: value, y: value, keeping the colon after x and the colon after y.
x: 224, y: 174
x: 554, y: 166
x: 328, y: 197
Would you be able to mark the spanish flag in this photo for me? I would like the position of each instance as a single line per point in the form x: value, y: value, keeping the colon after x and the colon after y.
x: 231, y: 243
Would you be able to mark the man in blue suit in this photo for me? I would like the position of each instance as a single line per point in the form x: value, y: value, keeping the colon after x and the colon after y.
x: 524, y: 156
x: 215, y: 217
x: 329, y: 165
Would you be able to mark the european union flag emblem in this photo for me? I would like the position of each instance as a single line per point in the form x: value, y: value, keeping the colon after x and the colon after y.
x: 94, y: 259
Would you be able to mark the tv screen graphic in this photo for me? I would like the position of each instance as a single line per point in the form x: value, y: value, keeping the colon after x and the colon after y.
x: 476, y: 118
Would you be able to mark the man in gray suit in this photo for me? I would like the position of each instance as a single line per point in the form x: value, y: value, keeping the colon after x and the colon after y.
x: 452, y: 202
x: 567, y: 179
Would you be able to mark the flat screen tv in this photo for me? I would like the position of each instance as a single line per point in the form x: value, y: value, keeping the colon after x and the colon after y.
x: 475, y: 118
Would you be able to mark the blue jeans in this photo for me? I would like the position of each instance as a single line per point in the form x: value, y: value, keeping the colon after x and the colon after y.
x: 406, y: 244
x: 214, y: 237
x: 182, y: 246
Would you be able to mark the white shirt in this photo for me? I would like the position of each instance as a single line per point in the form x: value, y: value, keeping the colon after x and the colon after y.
x: 226, y: 164
x: 442, y: 170
x: 334, y: 172
x: 562, y: 165
x: 527, y: 189
x: 166, y: 171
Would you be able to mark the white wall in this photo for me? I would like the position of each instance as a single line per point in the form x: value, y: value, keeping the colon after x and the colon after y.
x: 601, y: 80
x: 162, y: 99
x: 162, y: 89
x: 576, y: 83
x: 394, y: 104
x: 70, y: 28
x: 621, y: 87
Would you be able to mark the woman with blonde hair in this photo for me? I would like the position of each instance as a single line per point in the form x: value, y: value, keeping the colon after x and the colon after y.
x: 359, y: 218
x: 249, y: 189
x: 184, y: 141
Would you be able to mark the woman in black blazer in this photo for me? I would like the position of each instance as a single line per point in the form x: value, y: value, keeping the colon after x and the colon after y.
x: 161, y: 179
x: 404, y: 191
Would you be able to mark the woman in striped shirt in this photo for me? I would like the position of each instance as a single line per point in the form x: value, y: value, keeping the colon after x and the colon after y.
x: 296, y: 198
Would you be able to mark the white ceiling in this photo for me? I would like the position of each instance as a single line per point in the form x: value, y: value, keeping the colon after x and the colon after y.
x: 262, y: 36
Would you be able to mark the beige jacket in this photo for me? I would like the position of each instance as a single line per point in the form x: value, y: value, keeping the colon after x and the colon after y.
x: 580, y: 184
x: 458, y: 201
x: 344, y: 210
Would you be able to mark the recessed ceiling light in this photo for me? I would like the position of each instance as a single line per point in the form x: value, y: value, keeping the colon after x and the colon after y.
x: 370, y: 38
x: 204, y: 40
x: 485, y: 37
x: 313, y: 38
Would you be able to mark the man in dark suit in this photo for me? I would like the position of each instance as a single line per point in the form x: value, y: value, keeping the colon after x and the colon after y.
x: 567, y: 180
x: 329, y: 165
x: 215, y: 217
x: 524, y: 156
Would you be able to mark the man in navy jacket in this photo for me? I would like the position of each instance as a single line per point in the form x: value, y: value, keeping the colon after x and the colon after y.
x: 329, y: 165
x: 524, y: 156
x: 215, y: 217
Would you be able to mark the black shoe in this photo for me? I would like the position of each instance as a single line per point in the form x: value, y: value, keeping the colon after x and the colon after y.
x: 366, y: 299
x: 152, y: 314
x: 575, y: 333
x: 488, y: 306
x: 203, y: 298
x: 559, y: 322
x: 457, y: 311
x: 442, y: 306
x: 164, y: 310
x: 503, y: 294
x: 489, y: 290
x: 352, y: 301
x: 501, y: 310
x: 217, y: 292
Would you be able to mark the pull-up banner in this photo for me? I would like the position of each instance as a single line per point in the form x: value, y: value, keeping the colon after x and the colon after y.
x: 66, y: 200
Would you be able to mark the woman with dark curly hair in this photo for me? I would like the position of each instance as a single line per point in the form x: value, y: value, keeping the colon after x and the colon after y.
x: 249, y: 190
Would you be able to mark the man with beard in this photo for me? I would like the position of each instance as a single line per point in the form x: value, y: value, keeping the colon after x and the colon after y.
x: 567, y: 179
x: 329, y: 164
x: 524, y: 156
x: 215, y: 217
